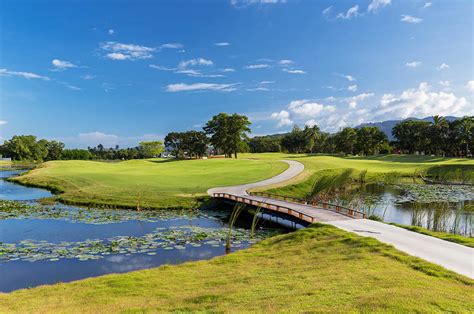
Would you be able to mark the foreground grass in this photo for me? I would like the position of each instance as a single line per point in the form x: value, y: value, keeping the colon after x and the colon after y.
x: 320, y: 268
x: 146, y: 183
x: 466, y: 241
x: 383, y: 168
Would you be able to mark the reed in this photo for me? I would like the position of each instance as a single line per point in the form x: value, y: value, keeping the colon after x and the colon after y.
x: 238, y: 207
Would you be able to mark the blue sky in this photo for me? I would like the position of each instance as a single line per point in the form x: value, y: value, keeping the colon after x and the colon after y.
x: 118, y: 72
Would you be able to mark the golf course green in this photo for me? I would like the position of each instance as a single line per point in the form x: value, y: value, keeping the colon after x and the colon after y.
x: 154, y: 183
x: 159, y: 183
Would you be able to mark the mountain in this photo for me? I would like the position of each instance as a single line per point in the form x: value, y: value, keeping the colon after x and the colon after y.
x: 386, y: 126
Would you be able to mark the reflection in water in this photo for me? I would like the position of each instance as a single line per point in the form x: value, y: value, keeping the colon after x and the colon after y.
x: 393, y: 204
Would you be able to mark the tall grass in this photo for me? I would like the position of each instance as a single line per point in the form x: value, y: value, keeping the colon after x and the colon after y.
x: 328, y: 186
x: 255, y: 221
x: 238, y: 208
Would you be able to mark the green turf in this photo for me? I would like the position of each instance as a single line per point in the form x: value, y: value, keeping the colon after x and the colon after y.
x: 318, y: 269
x: 379, y: 168
x: 150, y: 183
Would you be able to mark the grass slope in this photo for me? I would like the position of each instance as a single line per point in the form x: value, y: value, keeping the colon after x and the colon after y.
x: 152, y: 183
x: 379, y: 168
x: 321, y: 269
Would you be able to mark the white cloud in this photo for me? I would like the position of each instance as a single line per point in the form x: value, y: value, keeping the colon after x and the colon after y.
x: 171, y: 46
x: 294, y: 71
x: 421, y: 102
x: 117, y: 56
x: 222, y: 44
x: 228, y: 70
x: 308, y: 109
x: 353, y: 101
x: 285, y: 62
x: 88, y: 77
x: 443, y: 66
x: 327, y: 10
x: 411, y: 19
x: 119, y: 51
x: 257, y: 66
x: 350, y: 78
x: 283, y: 118
x: 352, y: 12
x: 195, y: 62
x: 27, y: 75
x: 181, y: 87
x: 62, y: 65
x: 96, y: 138
x: 445, y: 83
x: 470, y: 85
x: 352, y: 88
x: 427, y: 5
x: 162, y: 68
x: 71, y: 87
x: 3, y: 122
x: 377, y: 4
x: 413, y: 64
x: 267, y: 82
x: 245, y: 3
x: 111, y: 32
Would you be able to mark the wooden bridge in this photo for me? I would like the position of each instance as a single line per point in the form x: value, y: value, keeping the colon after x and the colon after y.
x: 315, y: 211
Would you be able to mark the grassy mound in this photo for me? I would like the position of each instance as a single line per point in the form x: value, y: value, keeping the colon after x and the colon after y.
x: 146, y: 183
x: 320, y: 268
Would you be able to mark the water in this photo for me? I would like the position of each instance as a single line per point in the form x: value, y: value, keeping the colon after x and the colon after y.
x: 46, y: 244
x: 435, y: 207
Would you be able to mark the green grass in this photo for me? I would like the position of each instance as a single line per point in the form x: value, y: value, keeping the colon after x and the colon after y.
x: 149, y: 183
x: 317, y: 269
x: 441, y: 235
x: 385, y: 168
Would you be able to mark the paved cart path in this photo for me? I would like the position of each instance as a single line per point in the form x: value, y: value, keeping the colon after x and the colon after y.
x: 450, y: 255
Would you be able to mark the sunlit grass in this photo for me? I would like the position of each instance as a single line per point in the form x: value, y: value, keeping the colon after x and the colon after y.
x: 146, y: 183
x: 320, y: 268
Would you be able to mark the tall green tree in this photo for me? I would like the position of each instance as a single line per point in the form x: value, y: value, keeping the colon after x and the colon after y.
x: 228, y: 132
x: 346, y: 140
x: 151, y: 149
x: 55, y: 150
x: 312, y: 135
x: 295, y: 141
x: 370, y: 140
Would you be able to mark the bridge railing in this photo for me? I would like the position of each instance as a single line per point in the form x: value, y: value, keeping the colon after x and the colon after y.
x: 346, y: 211
x: 273, y: 207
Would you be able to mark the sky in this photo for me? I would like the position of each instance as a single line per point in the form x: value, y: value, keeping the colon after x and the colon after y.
x: 120, y: 72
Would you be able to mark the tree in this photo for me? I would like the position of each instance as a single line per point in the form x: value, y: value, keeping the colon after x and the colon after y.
x: 150, y: 149
x: 55, y: 150
x: 439, y: 132
x: 295, y: 141
x: 313, y: 138
x: 228, y: 132
x: 370, y: 140
x: 412, y: 136
x: 346, y: 140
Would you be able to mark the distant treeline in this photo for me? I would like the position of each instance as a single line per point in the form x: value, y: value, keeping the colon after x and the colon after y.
x: 28, y: 147
x: 440, y: 137
x: 227, y: 135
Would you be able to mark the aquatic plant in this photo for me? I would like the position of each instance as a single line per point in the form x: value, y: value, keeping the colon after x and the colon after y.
x: 327, y: 186
x: 238, y: 207
x: 255, y: 219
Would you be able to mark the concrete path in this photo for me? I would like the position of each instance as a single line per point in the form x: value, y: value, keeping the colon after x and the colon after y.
x: 450, y: 255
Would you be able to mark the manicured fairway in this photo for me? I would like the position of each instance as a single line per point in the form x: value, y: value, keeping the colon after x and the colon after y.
x: 321, y: 269
x: 150, y: 183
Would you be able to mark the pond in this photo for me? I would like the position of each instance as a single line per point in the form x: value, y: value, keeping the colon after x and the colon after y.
x: 435, y: 207
x: 45, y: 244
